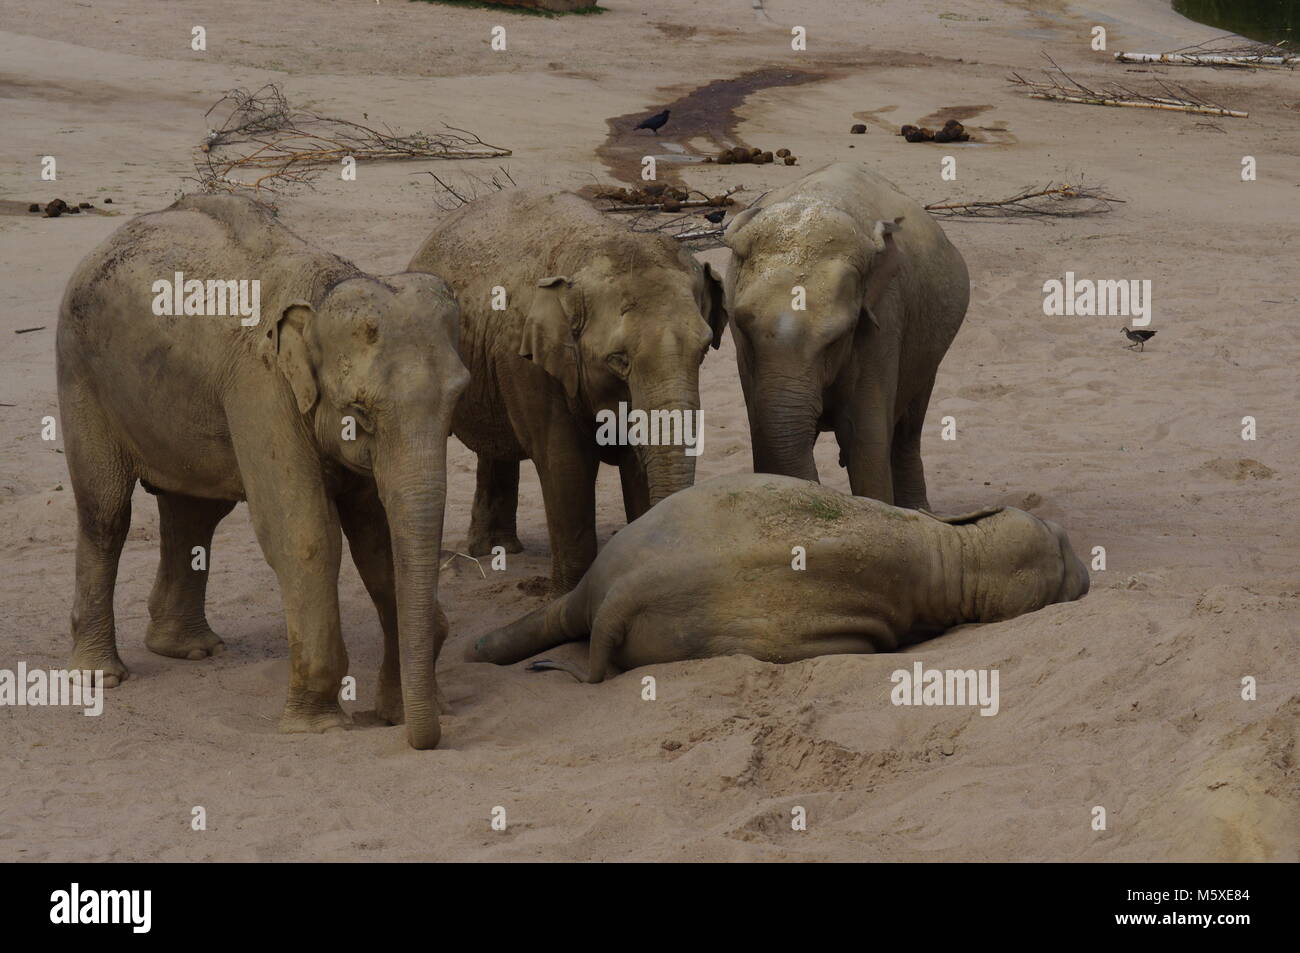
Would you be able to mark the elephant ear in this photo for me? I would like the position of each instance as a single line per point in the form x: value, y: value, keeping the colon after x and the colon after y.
x: 717, y: 313
x: 550, y: 338
x: 884, y: 266
x: 291, y: 353
x: 734, y: 237
x: 972, y: 517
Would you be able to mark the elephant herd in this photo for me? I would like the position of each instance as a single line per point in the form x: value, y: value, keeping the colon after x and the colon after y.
x: 523, y: 320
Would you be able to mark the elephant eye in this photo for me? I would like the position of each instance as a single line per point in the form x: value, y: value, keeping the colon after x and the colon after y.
x: 362, y: 417
x: 618, y: 363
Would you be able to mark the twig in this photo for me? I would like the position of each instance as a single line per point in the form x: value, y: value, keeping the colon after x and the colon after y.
x: 452, y: 558
x: 1046, y: 202
x: 261, y: 131
x: 705, y: 202
x: 692, y: 203
x: 477, y: 186
x: 1177, y: 98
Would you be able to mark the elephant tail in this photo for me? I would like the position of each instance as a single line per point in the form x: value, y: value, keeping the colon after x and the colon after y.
x: 560, y: 621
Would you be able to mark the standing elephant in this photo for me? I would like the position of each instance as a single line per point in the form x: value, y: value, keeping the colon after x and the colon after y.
x: 566, y: 314
x: 844, y: 296
x: 321, y: 395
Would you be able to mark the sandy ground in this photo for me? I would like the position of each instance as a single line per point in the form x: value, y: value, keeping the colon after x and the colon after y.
x: 1129, y: 699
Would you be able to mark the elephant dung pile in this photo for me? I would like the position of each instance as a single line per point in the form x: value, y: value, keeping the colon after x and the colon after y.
x: 57, y: 207
x: 741, y: 155
x: 952, y: 131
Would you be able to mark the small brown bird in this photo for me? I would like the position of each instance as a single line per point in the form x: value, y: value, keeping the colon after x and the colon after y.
x: 1139, y: 337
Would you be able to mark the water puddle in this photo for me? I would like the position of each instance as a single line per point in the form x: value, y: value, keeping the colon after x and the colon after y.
x: 703, y: 122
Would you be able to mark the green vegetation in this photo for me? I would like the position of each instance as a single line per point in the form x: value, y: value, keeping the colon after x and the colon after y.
x: 1267, y: 20
x: 525, y: 11
x: 825, y: 510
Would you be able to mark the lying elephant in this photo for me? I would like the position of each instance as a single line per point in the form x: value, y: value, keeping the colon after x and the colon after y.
x: 566, y: 314
x: 844, y: 296
x: 321, y: 395
x: 710, y: 572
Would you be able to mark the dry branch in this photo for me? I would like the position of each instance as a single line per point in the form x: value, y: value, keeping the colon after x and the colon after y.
x: 1062, y: 87
x: 1055, y: 200
x: 1226, y: 50
x: 262, y: 132
x: 704, y: 201
x: 475, y: 185
x: 691, y: 203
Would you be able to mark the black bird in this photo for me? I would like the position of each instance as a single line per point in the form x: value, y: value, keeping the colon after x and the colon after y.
x: 1139, y: 337
x: 716, y: 217
x: 655, y: 122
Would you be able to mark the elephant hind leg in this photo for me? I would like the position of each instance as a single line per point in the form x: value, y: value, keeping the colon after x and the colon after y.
x: 562, y: 620
x: 608, y: 632
x: 102, y: 478
x: 496, y: 502
x: 178, y: 626
x: 905, y: 454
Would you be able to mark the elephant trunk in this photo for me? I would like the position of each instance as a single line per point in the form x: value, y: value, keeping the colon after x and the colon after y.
x: 783, y: 423
x: 676, y: 405
x: 412, y: 482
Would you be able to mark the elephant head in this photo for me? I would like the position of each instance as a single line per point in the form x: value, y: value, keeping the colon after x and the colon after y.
x: 1015, y: 563
x: 374, y: 370
x: 804, y: 282
x: 630, y: 327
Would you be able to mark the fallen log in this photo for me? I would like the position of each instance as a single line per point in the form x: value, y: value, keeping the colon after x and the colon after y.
x: 1140, y: 104
x: 1208, y: 59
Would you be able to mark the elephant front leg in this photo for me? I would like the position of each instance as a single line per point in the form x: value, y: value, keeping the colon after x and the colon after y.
x: 305, y: 558
x: 867, y: 454
x: 178, y: 626
x: 865, y: 430
x: 363, y: 520
x: 297, y: 527
x: 496, y: 502
x: 909, y: 472
x: 569, y: 493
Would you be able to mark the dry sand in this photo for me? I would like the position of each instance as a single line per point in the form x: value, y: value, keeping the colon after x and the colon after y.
x: 1129, y: 699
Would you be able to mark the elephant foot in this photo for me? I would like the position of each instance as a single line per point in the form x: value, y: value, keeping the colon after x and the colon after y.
x: 175, y: 639
x: 482, y: 544
x: 906, y: 502
x: 111, y: 668
x: 301, y: 718
x: 563, y: 583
